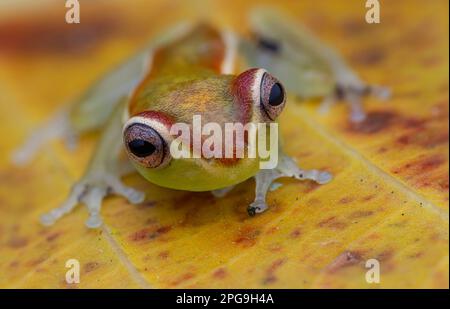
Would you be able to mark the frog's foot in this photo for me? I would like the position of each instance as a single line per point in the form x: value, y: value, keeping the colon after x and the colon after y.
x: 222, y: 192
x: 286, y: 168
x: 57, y: 127
x: 91, y: 191
x: 353, y: 94
x: 289, y: 168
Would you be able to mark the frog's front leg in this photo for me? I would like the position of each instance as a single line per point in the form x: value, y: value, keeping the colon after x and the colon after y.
x: 101, y: 178
x: 286, y: 168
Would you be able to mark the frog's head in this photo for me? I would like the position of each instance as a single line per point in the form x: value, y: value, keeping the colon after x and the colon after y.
x: 253, y: 96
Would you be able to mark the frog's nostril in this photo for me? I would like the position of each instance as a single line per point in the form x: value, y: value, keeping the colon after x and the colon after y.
x: 141, y: 148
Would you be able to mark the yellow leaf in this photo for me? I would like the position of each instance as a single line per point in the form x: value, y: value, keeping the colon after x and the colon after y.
x: 388, y: 200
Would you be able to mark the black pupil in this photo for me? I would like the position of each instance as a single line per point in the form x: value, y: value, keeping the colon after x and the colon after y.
x: 276, y: 96
x: 141, y: 148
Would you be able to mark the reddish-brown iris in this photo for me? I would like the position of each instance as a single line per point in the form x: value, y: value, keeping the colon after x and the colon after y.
x: 272, y: 96
x: 144, y: 145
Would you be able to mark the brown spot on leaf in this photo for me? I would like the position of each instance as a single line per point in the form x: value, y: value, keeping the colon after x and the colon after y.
x: 14, y: 264
x: 269, y: 279
x: 382, y: 149
x: 185, y: 277
x: 346, y: 200
x: 37, y: 261
x: 163, y: 229
x: 90, y: 266
x: 270, y: 272
x: 53, y: 236
x: 360, y: 214
x: 429, y: 131
x: 247, y: 237
x: 332, y: 223
x: 420, y: 37
x: 369, y: 56
x: 16, y: 242
x: 375, y: 122
x: 163, y: 255
x: 368, y: 197
x: 275, y: 265
x: 220, y: 273
x: 352, y: 26
x: 427, y: 138
x: 416, y: 255
x: 48, y: 33
x: 385, y: 255
x: 139, y: 235
x: 295, y: 233
x: 421, y: 165
x: 346, y: 259
x: 431, y: 163
x: 151, y: 232
x: 431, y: 61
x: 149, y: 203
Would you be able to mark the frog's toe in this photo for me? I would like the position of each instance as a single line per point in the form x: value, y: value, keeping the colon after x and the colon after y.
x: 324, y: 177
x: 91, y: 191
x: 93, y: 198
x: 357, y: 115
x: 132, y: 195
x: 381, y: 92
x: 52, y: 216
x: 256, y: 207
x: 94, y: 221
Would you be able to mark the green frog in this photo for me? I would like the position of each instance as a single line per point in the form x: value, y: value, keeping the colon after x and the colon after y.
x: 190, y: 71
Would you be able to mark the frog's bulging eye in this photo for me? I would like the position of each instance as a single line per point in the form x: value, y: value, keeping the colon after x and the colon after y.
x: 145, y: 145
x: 272, y: 96
x: 141, y: 148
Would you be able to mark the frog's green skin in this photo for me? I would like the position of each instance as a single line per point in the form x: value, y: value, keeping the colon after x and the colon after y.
x: 195, y: 71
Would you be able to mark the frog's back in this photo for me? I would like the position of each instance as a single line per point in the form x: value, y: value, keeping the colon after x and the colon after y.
x: 186, y: 78
x: 199, y: 54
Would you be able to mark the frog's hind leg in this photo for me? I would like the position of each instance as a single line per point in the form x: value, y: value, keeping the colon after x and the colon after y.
x: 101, y: 178
x: 57, y: 127
x: 286, y: 168
x: 87, y: 113
x: 354, y: 92
x: 92, y: 109
x: 306, y: 66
